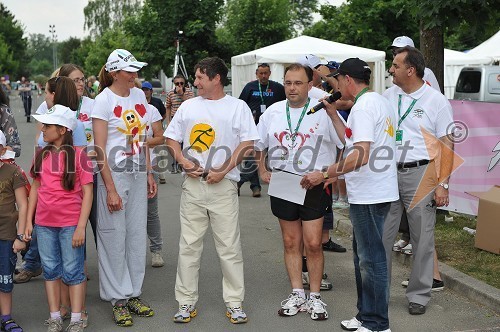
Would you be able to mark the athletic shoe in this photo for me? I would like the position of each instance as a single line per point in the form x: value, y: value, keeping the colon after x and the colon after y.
x: 54, y: 325
x: 156, y: 260
x: 292, y: 305
x: 364, y: 329
x: 332, y: 246
x: 340, y: 204
x: 121, y: 315
x: 256, y: 192
x: 437, y: 285
x: 75, y: 327
x: 404, y: 283
x: 408, y: 250
x: 26, y: 275
x: 236, y: 315
x: 350, y: 325
x: 163, y: 181
x: 140, y: 308
x: 185, y: 313
x: 399, y: 245
x: 317, y: 308
x: 325, y: 283
x: 416, y: 308
x: 305, y: 278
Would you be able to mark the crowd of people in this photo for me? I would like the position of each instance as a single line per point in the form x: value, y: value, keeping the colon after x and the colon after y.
x: 96, y: 162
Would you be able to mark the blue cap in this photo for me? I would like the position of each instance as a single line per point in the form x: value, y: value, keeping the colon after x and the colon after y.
x: 147, y: 85
x: 332, y: 65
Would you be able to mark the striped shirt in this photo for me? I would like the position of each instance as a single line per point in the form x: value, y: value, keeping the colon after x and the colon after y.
x: 175, y: 100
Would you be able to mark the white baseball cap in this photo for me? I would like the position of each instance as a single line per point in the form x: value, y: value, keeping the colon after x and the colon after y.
x: 121, y: 59
x: 58, y: 115
x: 309, y: 60
x: 3, y: 140
x: 402, y: 41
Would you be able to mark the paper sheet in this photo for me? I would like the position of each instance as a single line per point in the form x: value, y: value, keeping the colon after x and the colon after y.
x: 286, y: 185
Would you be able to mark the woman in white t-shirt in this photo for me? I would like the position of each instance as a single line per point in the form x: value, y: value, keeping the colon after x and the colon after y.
x: 119, y: 119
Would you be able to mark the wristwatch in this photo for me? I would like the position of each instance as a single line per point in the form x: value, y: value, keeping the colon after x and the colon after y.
x: 444, y: 185
x: 325, y: 175
x: 20, y: 237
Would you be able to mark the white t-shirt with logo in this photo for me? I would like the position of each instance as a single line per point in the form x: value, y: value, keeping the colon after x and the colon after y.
x: 127, y: 122
x: 372, y: 120
x: 313, y: 147
x: 153, y: 115
x: 432, y: 112
x: 212, y: 129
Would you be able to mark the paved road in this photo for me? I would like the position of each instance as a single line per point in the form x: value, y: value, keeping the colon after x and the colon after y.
x: 266, y: 279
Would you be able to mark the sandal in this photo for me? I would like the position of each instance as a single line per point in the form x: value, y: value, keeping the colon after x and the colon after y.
x: 11, y: 326
x: 85, y: 319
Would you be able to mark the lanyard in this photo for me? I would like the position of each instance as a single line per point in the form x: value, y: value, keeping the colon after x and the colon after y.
x: 362, y: 92
x: 401, y: 118
x: 294, y: 133
x: 79, y: 108
x: 260, y: 91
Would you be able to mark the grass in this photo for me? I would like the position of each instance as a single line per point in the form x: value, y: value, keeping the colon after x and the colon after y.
x: 455, y: 247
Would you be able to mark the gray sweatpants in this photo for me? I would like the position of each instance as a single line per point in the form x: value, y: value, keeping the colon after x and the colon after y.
x: 121, y: 237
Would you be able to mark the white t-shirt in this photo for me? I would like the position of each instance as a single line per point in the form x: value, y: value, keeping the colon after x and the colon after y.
x: 127, y: 122
x: 431, y: 79
x: 432, y: 112
x: 316, y: 93
x: 372, y: 120
x: 152, y: 116
x: 314, y: 146
x: 212, y: 129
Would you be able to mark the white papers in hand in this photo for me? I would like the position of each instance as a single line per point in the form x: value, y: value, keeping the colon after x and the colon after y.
x: 286, y: 185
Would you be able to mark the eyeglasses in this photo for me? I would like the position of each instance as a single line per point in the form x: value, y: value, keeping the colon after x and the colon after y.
x: 298, y: 84
x: 179, y: 83
x: 80, y: 80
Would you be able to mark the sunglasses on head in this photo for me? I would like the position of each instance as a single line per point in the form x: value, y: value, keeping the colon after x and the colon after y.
x: 179, y: 83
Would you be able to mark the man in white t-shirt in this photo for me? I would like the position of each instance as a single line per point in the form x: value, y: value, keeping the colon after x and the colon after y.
x: 425, y: 121
x: 298, y: 142
x: 216, y: 130
x: 370, y: 174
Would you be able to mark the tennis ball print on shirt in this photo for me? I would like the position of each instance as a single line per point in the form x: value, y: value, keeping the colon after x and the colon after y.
x: 201, y: 137
x: 132, y: 125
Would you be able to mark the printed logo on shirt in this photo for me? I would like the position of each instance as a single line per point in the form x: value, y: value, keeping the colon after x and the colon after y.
x: 134, y: 128
x: 201, y: 137
x: 290, y: 141
x: 418, y: 113
x: 267, y: 93
x: 390, y: 127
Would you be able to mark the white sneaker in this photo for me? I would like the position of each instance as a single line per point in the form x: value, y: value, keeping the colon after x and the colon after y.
x: 399, y: 245
x: 404, y: 283
x: 408, y: 250
x: 305, y: 278
x: 340, y: 204
x: 317, y: 308
x: 156, y: 260
x: 325, y: 283
x: 350, y: 325
x: 236, y: 315
x: 364, y: 329
x: 185, y: 313
x: 292, y: 305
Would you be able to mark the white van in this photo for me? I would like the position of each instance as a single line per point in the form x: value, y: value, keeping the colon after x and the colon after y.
x: 479, y: 83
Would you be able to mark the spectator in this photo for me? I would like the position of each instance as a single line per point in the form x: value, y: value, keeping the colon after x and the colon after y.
x: 8, y: 125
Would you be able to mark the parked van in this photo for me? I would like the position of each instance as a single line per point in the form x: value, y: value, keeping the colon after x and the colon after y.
x: 479, y: 83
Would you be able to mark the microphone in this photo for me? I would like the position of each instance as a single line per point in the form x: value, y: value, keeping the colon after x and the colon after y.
x: 332, y: 98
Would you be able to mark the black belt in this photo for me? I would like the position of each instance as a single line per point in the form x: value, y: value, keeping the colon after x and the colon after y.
x: 413, y: 164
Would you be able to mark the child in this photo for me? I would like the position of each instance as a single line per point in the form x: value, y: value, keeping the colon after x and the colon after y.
x: 12, y: 191
x: 62, y: 194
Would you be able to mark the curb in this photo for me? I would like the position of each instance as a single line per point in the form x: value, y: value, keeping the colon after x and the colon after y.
x: 467, y: 286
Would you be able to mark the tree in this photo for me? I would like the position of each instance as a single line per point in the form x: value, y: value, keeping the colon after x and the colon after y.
x: 301, y: 13
x: 68, y: 50
x: 7, y: 65
x: 103, y: 15
x: 11, y: 32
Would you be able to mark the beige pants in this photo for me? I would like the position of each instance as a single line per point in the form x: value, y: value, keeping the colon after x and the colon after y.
x: 216, y: 205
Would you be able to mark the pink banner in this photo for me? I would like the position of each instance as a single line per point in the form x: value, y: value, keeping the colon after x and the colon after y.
x: 477, y: 141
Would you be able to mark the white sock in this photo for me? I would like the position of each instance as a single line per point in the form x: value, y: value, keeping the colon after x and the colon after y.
x: 300, y: 291
x: 55, y: 315
x: 76, y: 316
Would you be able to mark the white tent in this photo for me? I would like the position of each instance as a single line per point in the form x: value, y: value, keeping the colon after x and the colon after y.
x: 454, y: 61
x: 279, y: 55
x: 489, y: 48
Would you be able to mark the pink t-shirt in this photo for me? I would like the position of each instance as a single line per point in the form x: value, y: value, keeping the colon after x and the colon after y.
x: 56, y: 206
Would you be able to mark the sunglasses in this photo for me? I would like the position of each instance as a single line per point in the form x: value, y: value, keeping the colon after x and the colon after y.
x: 179, y: 83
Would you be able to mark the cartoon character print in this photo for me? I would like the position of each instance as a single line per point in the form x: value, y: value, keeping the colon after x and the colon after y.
x: 134, y: 128
x: 289, y: 141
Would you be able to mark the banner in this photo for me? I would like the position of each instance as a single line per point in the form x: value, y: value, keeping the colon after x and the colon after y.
x: 477, y: 141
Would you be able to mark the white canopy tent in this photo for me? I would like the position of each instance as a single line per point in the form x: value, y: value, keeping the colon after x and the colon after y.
x: 279, y: 55
x: 454, y: 61
x: 489, y: 48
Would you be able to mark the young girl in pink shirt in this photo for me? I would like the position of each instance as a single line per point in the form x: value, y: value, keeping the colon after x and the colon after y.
x: 62, y: 195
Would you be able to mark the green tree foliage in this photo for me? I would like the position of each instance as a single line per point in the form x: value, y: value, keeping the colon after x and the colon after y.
x: 40, y: 53
x: 103, y: 15
x: 68, y: 50
x: 13, y: 44
x: 301, y: 13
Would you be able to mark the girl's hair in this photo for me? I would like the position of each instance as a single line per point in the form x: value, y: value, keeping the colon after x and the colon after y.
x: 68, y: 68
x: 64, y: 90
x: 105, y: 79
x: 3, y: 98
x: 68, y: 178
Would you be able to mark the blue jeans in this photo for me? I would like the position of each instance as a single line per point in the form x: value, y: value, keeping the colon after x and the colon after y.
x: 154, y: 226
x: 59, y: 259
x: 32, y: 258
x: 8, y: 261
x: 370, y: 265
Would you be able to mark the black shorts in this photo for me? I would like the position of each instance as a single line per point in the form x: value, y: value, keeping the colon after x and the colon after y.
x: 286, y: 210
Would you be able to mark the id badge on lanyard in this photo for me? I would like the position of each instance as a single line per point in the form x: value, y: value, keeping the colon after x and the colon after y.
x: 399, y: 137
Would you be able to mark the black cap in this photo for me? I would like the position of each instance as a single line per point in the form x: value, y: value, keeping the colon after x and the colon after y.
x: 354, y: 67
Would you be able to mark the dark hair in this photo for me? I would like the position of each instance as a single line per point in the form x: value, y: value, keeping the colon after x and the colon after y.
x: 68, y: 176
x: 105, y: 79
x: 263, y: 65
x: 179, y: 76
x: 414, y: 58
x: 360, y: 80
x: 297, y: 66
x: 3, y: 97
x: 68, y: 68
x: 213, y: 66
x: 64, y: 90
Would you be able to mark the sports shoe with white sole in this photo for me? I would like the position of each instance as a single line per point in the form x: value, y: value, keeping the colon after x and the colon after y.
x: 185, y: 313
x: 399, y: 245
x: 437, y: 285
x: 350, y: 325
x: 408, y: 250
x: 364, y: 329
x: 236, y: 315
x: 292, y: 305
x: 317, y: 308
x: 325, y: 283
x: 156, y: 260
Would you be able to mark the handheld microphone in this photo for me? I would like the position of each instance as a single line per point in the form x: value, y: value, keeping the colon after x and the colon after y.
x: 332, y: 98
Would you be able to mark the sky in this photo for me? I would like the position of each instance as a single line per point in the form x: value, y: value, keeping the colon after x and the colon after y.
x: 66, y: 15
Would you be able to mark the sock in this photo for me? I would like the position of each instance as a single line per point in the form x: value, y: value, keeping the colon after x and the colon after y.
x: 121, y: 303
x: 300, y: 291
x: 55, y: 315
x: 304, y: 264
x: 76, y: 316
x: 5, y: 318
x: 316, y: 295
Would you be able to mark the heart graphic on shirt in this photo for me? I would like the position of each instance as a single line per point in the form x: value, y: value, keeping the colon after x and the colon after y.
x: 141, y: 109
x: 118, y: 111
x: 348, y: 132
